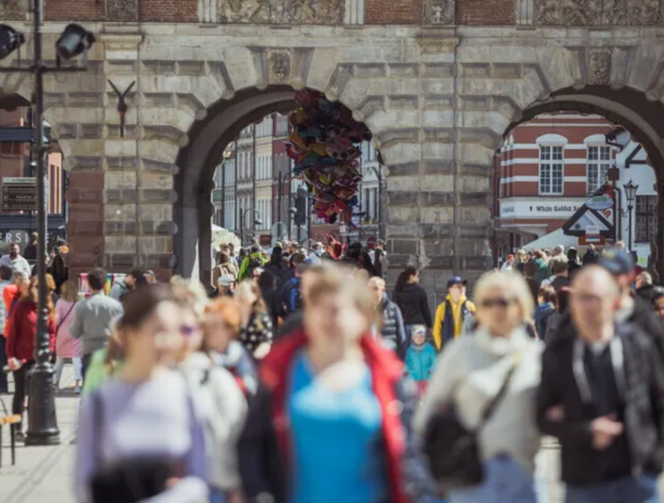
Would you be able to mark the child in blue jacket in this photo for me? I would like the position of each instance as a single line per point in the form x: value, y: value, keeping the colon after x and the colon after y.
x: 420, y: 358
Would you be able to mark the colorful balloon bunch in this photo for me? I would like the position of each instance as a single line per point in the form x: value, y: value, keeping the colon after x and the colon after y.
x: 324, y: 143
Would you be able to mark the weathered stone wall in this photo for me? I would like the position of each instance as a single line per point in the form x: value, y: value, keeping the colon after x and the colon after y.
x: 437, y: 99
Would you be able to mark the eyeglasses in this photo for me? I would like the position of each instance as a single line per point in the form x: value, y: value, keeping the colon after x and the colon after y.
x: 497, y: 302
x: 188, y: 330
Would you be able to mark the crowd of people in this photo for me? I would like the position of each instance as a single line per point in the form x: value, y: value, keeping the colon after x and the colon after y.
x: 298, y: 378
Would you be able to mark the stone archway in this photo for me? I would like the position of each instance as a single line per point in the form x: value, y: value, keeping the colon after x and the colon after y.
x: 193, y: 209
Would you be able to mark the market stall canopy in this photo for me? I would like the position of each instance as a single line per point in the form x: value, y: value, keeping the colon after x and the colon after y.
x: 221, y: 236
x: 553, y: 239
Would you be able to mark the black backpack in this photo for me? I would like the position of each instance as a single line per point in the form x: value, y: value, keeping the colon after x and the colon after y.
x: 452, y: 450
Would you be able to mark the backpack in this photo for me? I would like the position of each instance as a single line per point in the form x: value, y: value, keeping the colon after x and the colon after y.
x: 294, y: 299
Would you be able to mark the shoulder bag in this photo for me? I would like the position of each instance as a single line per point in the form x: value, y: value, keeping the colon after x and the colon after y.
x: 452, y: 450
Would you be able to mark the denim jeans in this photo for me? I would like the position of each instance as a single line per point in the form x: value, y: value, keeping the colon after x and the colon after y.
x: 505, y: 481
x: 60, y: 363
x: 629, y: 489
x: 216, y: 496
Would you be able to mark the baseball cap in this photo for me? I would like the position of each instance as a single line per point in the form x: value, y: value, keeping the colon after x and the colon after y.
x: 419, y: 330
x: 225, y: 280
x: 456, y: 280
x: 617, y: 262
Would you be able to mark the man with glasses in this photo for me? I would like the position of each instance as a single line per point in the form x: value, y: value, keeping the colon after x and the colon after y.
x: 602, y: 396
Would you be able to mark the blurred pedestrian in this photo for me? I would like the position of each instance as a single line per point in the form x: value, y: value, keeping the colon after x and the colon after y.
x: 331, y: 388
x: 658, y: 302
x: 257, y: 328
x: 573, y: 264
x: 392, y: 328
x: 5, y: 282
x: 225, y: 267
x: 602, y: 397
x: 420, y: 358
x: 94, y: 316
x: 21, y: 343
x: 591, y: 256
x: 16, y: 261
x: 412, y: 300
x: 546, y: 306
x: 139, y: 434
x: 276, y: 265
x: 632, y: 309
x: 644, y: 286
x: 490, y: 379
x: 267, y: 284
x: 452, y: 312
x: 66, y: 347
x: 223, y: 322
x: 133, y: 280
x: 222, y: 408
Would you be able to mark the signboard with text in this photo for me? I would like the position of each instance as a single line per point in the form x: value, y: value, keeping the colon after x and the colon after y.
x: 19, y: 194
x: 527, y: 208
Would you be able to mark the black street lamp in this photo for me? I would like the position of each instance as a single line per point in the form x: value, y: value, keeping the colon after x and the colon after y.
x: 42, y: 422
x: 257, y: 222
x: 630, y: 195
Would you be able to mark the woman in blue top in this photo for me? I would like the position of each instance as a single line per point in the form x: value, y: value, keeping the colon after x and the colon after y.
x: 331, y: 422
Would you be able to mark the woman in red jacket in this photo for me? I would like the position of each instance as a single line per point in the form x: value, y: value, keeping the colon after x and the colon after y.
x: 331, y: 420
x: 21, y: 345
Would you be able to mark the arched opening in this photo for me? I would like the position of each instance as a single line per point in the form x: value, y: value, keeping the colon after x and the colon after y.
x: 209, y: 137
x: 626, y: 136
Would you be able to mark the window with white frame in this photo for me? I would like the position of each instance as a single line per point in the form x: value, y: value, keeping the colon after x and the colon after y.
x: 551, y: 169
x: 599, y: 164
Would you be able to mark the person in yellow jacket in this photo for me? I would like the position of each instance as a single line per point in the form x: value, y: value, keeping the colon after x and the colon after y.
x: 452, y: 312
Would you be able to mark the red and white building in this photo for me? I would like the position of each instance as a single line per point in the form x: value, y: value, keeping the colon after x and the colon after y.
x: 548, y: 167
x: 544, y: 173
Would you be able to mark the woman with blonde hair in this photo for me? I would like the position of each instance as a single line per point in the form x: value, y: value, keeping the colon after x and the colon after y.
x: 257, y: 329
x: 66, y: 347
x: 306, y: 438
x: 490, y: 381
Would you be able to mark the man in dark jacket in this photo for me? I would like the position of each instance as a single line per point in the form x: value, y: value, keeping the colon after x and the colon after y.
x: 393, y: 330
x: 633, y: 309
x: 602, y: 396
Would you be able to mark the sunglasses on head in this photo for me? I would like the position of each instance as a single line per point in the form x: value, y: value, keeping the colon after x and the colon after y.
x: 498, y: 302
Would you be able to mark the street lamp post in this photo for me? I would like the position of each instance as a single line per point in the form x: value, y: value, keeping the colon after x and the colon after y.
x: 630, y: 195
x: 75, y: 40
x: 243, y: 215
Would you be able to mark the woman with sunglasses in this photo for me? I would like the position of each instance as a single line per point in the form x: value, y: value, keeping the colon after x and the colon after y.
x: 469, y: 375
x: 139, y: 434
x: 219, y: 399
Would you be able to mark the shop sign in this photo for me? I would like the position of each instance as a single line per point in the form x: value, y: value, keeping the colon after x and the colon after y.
x: 19, y: 194
x: 600, y: 203
x: 538, y: 208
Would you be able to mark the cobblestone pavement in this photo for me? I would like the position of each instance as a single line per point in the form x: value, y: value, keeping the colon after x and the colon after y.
x: 44, y: 474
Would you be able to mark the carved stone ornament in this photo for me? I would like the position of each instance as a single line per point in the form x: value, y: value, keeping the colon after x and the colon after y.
x: 122, y: 10
x: 599, y: 12
x: 282, y: 11
x: 13, y: 11
x: 598, y: 66
x: 439, y: 12
x: 279, y: 64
